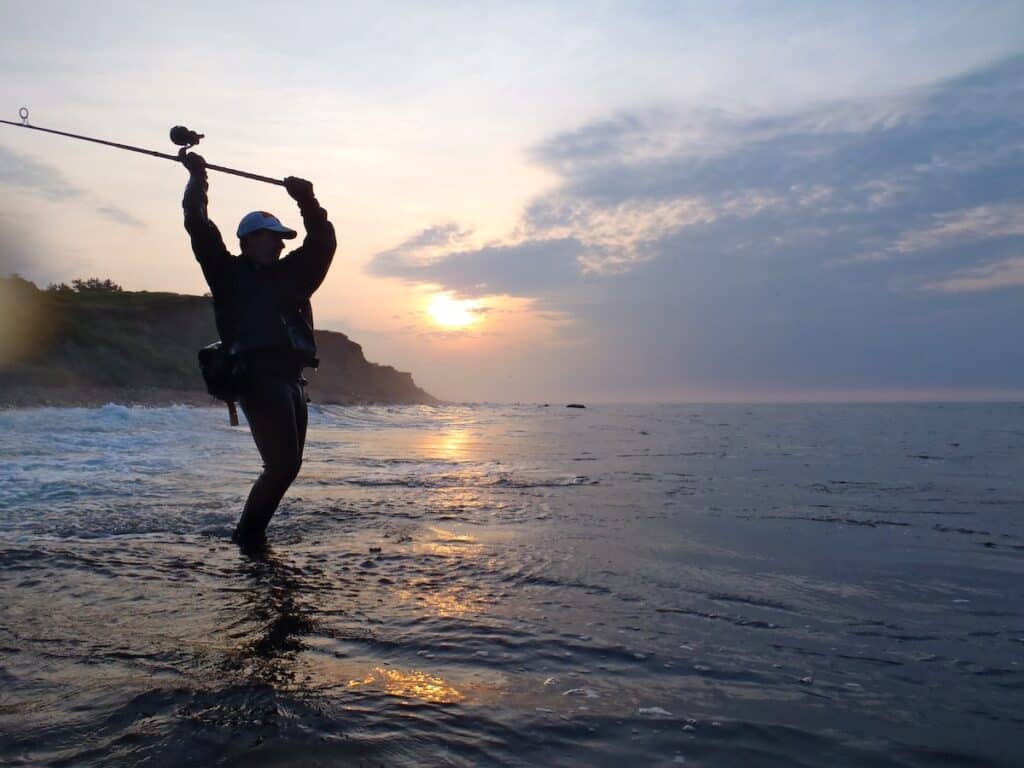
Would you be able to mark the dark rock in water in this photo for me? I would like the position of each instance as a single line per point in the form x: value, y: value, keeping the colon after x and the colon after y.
x: 575, y: 405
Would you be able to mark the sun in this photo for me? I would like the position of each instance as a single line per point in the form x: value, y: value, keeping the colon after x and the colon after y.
x: 452, y: 313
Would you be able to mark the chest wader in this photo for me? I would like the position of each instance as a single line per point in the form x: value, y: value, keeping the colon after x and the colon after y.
x: 273, y: 399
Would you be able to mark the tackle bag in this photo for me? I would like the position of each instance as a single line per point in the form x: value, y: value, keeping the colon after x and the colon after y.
x: 220, y: 372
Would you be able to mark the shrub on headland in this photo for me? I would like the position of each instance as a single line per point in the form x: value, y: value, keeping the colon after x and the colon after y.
x: 89, y: 285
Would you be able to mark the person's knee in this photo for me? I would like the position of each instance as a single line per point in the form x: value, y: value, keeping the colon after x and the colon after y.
x: 285, y: 469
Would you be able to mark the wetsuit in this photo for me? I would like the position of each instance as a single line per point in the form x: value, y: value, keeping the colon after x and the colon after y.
x: 265, y: 321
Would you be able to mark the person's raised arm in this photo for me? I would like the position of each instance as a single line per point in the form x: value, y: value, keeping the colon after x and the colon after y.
x: 207, y: 243
x: 307, y: 265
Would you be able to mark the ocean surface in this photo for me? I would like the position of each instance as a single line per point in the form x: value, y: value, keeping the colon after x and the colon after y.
x: 484, y: 585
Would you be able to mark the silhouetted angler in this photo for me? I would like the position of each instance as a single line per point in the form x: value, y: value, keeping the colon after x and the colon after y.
x: 261, y: 305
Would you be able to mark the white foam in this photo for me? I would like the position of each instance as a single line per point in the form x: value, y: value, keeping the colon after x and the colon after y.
x: 590, y: 693
x: 654, y: 712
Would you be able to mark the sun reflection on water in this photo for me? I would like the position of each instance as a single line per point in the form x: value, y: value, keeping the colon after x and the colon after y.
x: 411, y: 683
x: 449, y: 544
x: 444, y: 604
x: 452, y: 444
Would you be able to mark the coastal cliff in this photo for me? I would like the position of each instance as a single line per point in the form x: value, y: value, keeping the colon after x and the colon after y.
x: 94, y: 343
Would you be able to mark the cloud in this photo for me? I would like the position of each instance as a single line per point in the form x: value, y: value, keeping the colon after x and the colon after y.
x: 524, y: 269
x: 433, y: 240
x: 25, y: 172
x: 844, y: 244
x: 119, y: 215
x: 867, y: 182
x: 864, y: 172
x: 1004, y: 274
x: 966, y: 225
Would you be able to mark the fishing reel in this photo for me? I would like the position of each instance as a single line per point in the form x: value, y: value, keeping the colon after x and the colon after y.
x: 185, y: 138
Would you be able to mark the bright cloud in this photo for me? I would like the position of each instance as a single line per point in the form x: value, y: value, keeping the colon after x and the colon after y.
x: 1004, y: 274
x: 982, y: 222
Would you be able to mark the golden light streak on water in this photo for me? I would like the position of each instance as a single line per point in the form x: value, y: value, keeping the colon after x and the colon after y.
x: 447, y: 604
x: 411, y: 683
x: 449, y: 544
x: 452, y: 445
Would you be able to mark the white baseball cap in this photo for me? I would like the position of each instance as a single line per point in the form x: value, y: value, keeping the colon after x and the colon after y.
x: 263, y: 220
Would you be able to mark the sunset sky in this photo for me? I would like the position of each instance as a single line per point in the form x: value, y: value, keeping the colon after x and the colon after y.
x: 660, y: 201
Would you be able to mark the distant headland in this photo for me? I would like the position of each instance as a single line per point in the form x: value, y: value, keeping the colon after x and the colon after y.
x: 92, y: 343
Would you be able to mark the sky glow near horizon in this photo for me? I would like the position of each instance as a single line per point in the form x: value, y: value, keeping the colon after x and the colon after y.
x: 565, y: 201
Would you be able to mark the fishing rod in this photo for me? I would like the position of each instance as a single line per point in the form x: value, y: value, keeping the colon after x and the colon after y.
x: 180, y: 135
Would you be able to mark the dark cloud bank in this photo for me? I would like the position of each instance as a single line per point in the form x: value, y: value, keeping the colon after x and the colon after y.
x: 854, y: 246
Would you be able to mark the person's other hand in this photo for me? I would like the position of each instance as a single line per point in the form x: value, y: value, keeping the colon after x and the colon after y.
x: 299, y: 189
x: 195, y: 163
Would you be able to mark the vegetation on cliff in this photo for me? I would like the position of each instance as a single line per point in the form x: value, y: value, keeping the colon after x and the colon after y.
x: 93, y: 342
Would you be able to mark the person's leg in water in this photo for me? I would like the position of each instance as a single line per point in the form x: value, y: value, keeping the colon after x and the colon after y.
x: 276, y: 411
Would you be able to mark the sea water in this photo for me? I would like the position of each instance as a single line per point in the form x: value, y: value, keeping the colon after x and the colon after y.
x: 493, y: 585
